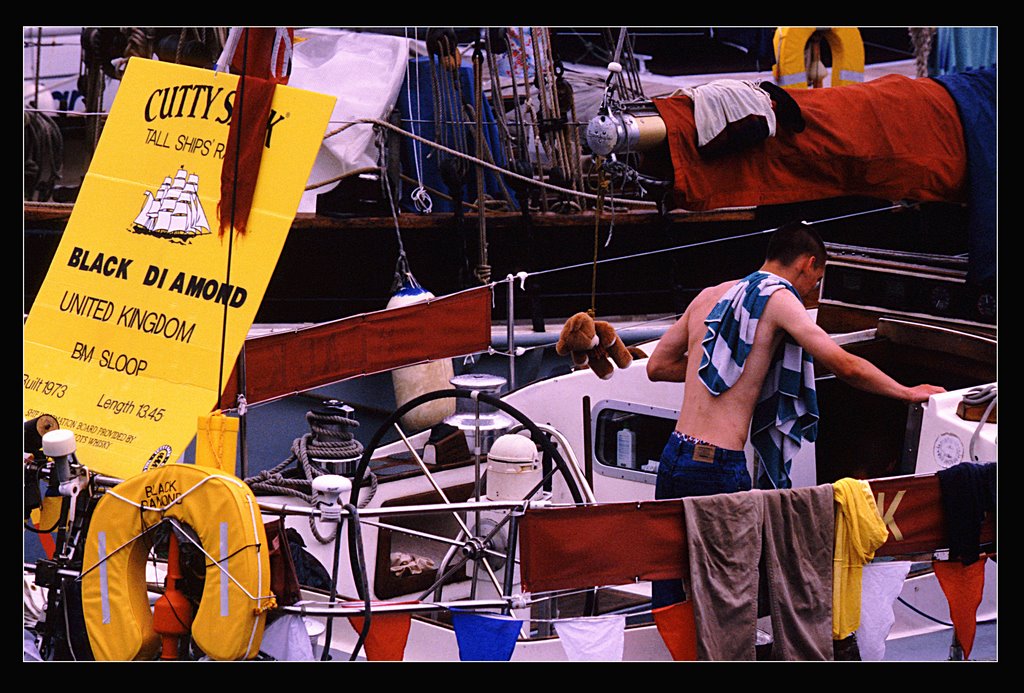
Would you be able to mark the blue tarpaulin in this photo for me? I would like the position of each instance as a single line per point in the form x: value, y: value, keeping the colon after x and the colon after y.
x: 975, y: 95
x: 417, y: 107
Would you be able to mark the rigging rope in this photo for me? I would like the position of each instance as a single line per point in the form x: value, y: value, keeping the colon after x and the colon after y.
x: 601, y: 187
x: 485, y: 164
x: 483, y: 268
x: 921, y: 39
x: 44, y: 155
x: 420, y: 196
x: 695, y: 244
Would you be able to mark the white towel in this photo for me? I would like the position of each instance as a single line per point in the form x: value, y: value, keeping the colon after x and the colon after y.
x: 724, y: 101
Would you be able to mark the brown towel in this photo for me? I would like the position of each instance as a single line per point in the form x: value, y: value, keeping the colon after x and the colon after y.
x: 725, y: 537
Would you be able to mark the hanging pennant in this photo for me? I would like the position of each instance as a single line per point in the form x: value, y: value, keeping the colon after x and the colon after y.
x: 678, y: 630
x: 287, y: 640
x: 263, y: 57
x: 881, y: 583
x: 593, y: 639
x: 485, y: 637
x: 387, y: 637
x: 963, y: 586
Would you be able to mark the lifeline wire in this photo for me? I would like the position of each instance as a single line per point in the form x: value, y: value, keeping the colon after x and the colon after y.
x: 708, y: 242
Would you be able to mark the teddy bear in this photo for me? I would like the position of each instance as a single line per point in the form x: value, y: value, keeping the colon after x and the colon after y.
x: 594, y: 343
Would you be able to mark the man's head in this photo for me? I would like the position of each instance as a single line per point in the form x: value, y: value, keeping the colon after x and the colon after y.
x: 797, y: 249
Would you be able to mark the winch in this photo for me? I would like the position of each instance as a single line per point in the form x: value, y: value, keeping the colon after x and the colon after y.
x: 473, y: 416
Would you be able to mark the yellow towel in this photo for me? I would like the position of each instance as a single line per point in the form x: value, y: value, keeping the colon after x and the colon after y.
x: 860, y: 531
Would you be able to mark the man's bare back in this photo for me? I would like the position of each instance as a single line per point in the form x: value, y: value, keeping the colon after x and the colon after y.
x: 723, y: 420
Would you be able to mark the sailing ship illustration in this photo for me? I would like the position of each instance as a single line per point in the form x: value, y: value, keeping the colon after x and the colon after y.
x: 175, y: 211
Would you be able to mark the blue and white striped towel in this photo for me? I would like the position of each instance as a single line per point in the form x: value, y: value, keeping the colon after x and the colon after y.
x: 786, y: 412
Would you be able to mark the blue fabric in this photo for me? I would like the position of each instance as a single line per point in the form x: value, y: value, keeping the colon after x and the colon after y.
x: 786, y: 412
x: 975, y: 96
x: 485, y: 637
x: 958, y: 49
x: 968, y: 493
x: 679, y: 476
x: 416, y: 105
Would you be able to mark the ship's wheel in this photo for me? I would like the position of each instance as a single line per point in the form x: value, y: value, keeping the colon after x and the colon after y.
x: 489, y: 542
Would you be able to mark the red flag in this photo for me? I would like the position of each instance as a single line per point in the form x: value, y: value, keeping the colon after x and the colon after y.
x: 244, y: 150
x: 963, y: 586
x: 679, y: 631
x: 387, y: 638
x: 263, y: 58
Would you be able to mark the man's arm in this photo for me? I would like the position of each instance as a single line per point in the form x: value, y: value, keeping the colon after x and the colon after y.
x: 668, y: 362
x: 791, y: 316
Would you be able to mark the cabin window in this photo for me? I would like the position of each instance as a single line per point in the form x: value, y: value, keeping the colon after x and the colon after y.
x: 628, y: 439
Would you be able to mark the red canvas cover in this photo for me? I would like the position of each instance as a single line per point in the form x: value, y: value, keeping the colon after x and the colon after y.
x: 607, y: 544
x: 893, y: 138
x: 281, y: 364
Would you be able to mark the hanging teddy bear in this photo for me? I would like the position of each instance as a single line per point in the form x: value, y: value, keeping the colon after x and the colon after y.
x: 594, y: 343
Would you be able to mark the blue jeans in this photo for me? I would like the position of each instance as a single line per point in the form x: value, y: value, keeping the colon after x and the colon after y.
x: 679, y: 476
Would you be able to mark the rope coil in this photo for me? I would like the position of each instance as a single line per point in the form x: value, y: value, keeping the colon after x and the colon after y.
x: 975, y: 397
x: 330, y: 443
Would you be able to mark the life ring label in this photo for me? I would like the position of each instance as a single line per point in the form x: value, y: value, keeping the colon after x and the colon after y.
x: 161, y: 494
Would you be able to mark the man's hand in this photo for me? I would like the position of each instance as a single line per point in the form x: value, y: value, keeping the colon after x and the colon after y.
x: 921, y: 393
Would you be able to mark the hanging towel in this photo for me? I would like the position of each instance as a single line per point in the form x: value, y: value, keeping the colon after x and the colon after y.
x: 485, y: 637
x: 860, y: 531
x: 387, y: 637
x: 881, y: 583
x: 799, y: 535
x: 593, y: 639
x: 963, y: 586
x: 287, y: 640
x: 720, y: 102
x: 968, y: 492
x: 725, y: 537
x: 786, y: 412
x: 676, y: 627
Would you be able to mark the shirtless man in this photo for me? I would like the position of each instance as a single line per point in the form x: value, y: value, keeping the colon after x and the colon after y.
x: 705, y: 453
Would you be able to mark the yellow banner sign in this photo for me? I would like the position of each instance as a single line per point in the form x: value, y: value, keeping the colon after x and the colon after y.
x: 145, y: 307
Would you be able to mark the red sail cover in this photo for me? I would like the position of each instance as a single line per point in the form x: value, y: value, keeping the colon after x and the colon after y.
x: 281, y: 364
x: 893, y: 138
x: 620, y: 543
